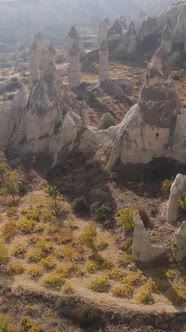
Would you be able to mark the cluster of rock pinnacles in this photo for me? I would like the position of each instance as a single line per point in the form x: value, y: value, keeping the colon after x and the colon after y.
x: 151, y: 132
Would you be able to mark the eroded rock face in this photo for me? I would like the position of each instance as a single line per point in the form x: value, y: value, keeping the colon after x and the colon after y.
x: 177, y: 189
x: 142, y: 249
x: 11, y: 113
x: 179, y: 243
x: 147, y: 130
x: 51, y: 121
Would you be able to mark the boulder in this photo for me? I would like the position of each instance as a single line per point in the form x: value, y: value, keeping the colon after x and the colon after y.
x: 142, y: 249
x: 177, y: 189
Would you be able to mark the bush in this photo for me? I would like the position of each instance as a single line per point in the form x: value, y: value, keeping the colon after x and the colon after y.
x: 19, y: 250
x: 123, y: 291
x: 182, y: 202
x: 88, y: 237
x: 100, y: 285
x: 127, y: 259
x: 3, y: 252
x: 15, y: 268
x: 166, y: 185
x: 106, y: 121
x: 101, y: 212
x: 80, y: 205
x: 124, y: 218
x: 26, y: 225
x: 9, y: 230
x: 36, y: 255
x: 35, y: 270
x: 128, y: 244
x: 6, y: 323
x: 54, y: 280
x: 144, y: 293
x: 66, y: 269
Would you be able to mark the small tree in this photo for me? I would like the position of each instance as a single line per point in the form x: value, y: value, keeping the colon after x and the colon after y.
x: 3, y: 170
x: 10, y: 184
x: 106, y: 121
x: 55, y: 195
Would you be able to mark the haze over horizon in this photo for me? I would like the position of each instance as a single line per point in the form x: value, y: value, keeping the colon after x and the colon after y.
x: 21, y: 19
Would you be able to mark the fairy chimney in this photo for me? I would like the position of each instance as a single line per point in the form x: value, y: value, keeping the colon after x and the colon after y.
x: 71, y: 37
x: 44, y: 61
x: 167, y: 37
x: 52, y: 55
x: 103, y: 30
x: 34, y: 63
x: 159, y: 68
x: 104, y: 73
x: 74, y: 66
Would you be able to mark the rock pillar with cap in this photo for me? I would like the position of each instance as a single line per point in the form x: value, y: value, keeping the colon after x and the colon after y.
x: 74, y: 66
x: 104, y: 73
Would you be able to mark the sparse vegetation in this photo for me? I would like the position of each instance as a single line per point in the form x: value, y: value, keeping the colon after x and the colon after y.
x: 101, y: 212
x: 124, y: 218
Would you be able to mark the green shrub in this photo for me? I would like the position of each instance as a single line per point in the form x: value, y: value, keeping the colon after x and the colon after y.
x: 125, y: 218
x: 166, y: 185
x: 101, y: 212
x: 80, y: 205
x: 106, y: 121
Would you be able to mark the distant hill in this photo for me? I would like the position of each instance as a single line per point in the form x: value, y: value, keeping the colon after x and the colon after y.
x: 20, y: 19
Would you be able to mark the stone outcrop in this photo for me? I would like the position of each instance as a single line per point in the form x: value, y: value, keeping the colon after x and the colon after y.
x: 167, y: 37
x: 52, y: 55
x: 74, y: 78
x: 167, y: 30
x: 131, y: 39
x: 147, y: 130
x: 179, y: 243
x: 177, y: 189
x: 123, y: 22
x: 73, y: 37
x: 142, y: 249
x: 104, y: 72
x: 11, y: 113
x: 51, y: 121
x: 115, y: 32
x: 42, y: 54
x: 160, y: 67
x: 34, y: 63
x: 103, y: 30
